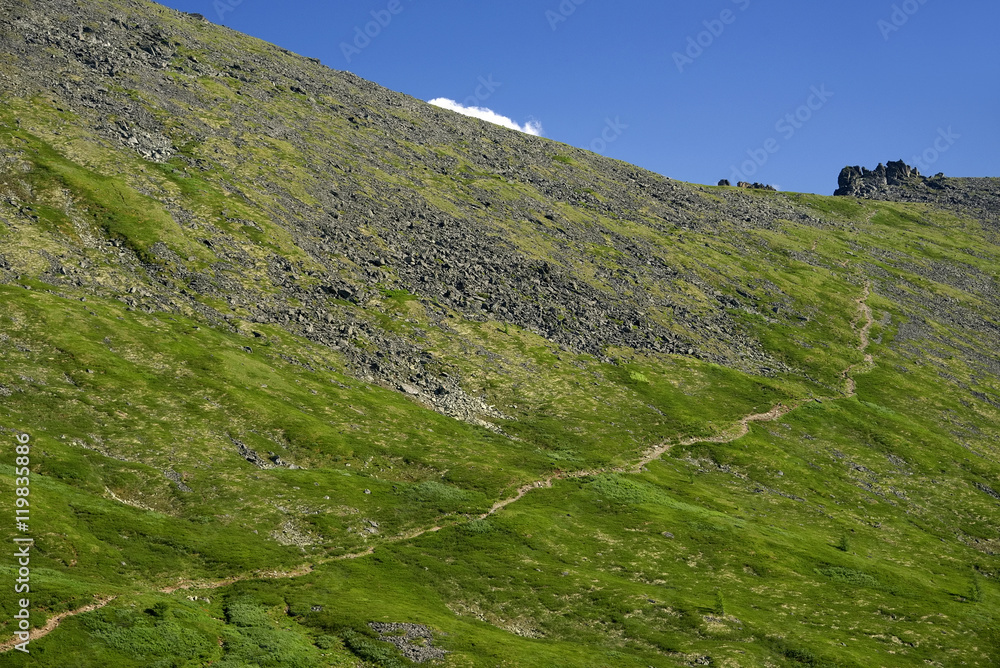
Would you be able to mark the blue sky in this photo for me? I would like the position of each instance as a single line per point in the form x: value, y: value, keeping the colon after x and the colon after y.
x: 784, y: 92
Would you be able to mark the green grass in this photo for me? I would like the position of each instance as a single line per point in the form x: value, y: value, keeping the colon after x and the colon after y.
x: 852, y: 531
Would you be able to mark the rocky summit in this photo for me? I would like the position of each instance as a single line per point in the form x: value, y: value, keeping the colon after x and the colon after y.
x: 898, y: 182
x: 296, y: 370
x: 862, y: 182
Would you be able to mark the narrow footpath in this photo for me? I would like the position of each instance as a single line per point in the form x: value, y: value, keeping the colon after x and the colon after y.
x: 737, y: 431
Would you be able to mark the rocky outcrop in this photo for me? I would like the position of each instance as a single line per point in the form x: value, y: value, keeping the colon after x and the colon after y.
x: 899, y: 182
x: 747, y: 184
x: 875, y: 183
x: 755, y: 186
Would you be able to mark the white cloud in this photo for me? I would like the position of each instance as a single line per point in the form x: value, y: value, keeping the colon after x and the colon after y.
x: 531, y: 127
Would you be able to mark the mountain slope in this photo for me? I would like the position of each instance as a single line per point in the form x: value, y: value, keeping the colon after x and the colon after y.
x: 296, y: 353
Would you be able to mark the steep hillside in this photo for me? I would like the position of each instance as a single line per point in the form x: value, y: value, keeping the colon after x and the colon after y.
x: 315, y: 374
